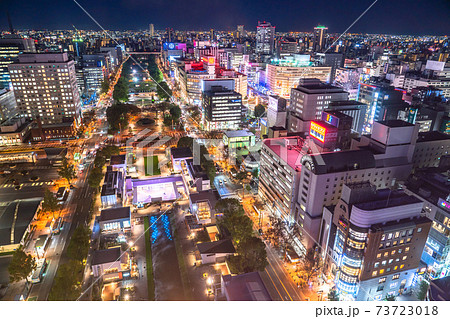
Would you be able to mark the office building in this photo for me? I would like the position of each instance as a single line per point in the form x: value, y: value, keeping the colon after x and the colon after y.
x: 284, y: 74
x: 383, y: 103
x: 384, y: 159
x: 430, y: 148
x: 14, y: 131
x: 356, y: 110
x: 432, y: 187
x: 308, y: 100
x: 379, y: 238
x: 222, y: 108
x: 265, y: 38
x: 333, y: 60
x: 10, y: 48
x: 45, y: 87
x: 276, y: 111
x: 320, y: 38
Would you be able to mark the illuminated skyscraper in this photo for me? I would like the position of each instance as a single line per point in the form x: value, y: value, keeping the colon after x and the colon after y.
x: 265, y: 38
x: 240, y: 32
x: 151, y: 29
x: 320, y: 40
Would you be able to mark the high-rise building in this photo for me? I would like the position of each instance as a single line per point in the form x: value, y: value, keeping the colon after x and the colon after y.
x: 383, y: 103
x: 151, y: 30
x: 222, y: 108
x: 333, y: 60
x: 432, y: 187
x: 240, y: 33
x: 378, y: 241
x: 308, y: 100
x: 348, y: 79
x: 356, y: 110
x: 284, y: 74
x: 320, y: 38
x: 10, y: 48
x: 265, y: 38
x: 45, y: 87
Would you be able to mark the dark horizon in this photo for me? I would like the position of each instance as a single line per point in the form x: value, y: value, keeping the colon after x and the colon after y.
x: 403, y: 17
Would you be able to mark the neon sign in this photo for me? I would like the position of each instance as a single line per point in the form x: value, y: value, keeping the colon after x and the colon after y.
x: 442, y: 203
x: 317, y: 131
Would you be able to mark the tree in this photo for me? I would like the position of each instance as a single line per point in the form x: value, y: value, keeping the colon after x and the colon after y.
x: 333, y: 295
x: 67, y: 170
x: 255, y: 173
x: 239, y: 226
x: 22, y: 264
x: 229, y: 206
x: 423, y: 289
x: 67, y: 283
x: 121, y: 90
x: 95, y: 177
x: 105, y: 86
x: 390, y: 298
x: 186, y: 141
x: 252, y: 256
x: 79, y: 243
x: 50, y: 203
x: 163, y: 91
x: 259, y: 110
x: 117, y: 117
x: 309, y: 263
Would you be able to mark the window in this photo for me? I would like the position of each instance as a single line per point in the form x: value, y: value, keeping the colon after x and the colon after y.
x: 379, y: 256
x: 419, y: 229
x: 376, y: 265
x: 386, y: 254
x: 381, y: 271
x: 408, y: 240
x: 390, y: 261
x: 401, y: 266
x: 404, y: 257
x: 410, y: 232
x: 374, y: 273
x: 383, y: 237
x: 383, y: 262
x: 381, y: 280
x: 397, y: 234
x: 395, y: 277
x: 406, y: 249
x: 394, y: 243
x: 396, y: 267
x: 389, y: 236
x: 380, y: 288
x: 392, y: 252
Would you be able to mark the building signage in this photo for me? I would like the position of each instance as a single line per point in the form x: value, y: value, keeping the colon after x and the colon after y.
x: 317, y: 131
x: 443, y: 204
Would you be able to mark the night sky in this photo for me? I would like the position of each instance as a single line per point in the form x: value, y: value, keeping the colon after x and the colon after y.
x: 420, y: 17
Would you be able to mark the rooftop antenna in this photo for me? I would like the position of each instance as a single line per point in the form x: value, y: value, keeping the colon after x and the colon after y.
x: 11, y: 29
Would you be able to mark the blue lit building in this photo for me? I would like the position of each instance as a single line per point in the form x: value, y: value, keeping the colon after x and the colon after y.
x: 432, y: 186
x: 379, y: 238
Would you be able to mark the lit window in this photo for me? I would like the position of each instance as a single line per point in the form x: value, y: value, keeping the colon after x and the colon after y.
x: 406, y: 249
x: 381, y: 271
x: 404, y: 257
x: 386, y: 254
x: 381, y: 280
x: 374, y: 273
x: 419, y: 229
x: 379, y: 255
x: 395, y: 276
x: 376, y: 265
x: 402, y: 266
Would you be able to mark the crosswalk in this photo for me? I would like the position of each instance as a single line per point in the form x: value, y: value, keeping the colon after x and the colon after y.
x: 35, y: 184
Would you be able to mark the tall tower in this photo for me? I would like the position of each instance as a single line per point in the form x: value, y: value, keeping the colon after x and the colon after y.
x: 212, y: 35
x: 151, y: 29
x: 265, y: 38
x: 320, y: 40
x: 240, y: 32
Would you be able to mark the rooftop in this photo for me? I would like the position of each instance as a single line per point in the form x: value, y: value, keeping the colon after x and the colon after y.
x: 395, y: 123
x: 342, y: 161
x: 211, y: 196
x: 432, y: 136
x: 217, y: 247
x: 115, y: 213
x: 239, y: 133
x: 181, y: 152
x: 117, y: 159
x: 12, y: 225
x: 105, y: 256
x: 288, y: 149
x: 386, y: 198
x: 439, y: 289
x: 245, y: 287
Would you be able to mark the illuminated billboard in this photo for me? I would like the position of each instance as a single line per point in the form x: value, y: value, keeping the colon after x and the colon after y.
x: 330, y: 119
x: 317, y: 131
x: 323, y: 132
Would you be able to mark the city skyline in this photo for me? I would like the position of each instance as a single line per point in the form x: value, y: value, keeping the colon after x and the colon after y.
x: 400, y: 18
